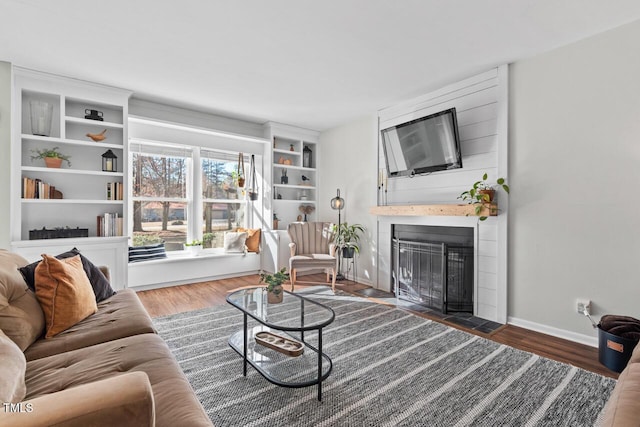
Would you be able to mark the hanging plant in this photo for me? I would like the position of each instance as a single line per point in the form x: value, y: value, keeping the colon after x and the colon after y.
x: 253, y: 181
x: 240, y: 172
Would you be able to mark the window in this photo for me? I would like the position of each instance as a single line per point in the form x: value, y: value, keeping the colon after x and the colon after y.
x: 223, y: 206
x: 169, y: 207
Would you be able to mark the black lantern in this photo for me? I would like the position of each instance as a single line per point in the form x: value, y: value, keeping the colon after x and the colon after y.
x: 109, y: 162
x: 307, y: 156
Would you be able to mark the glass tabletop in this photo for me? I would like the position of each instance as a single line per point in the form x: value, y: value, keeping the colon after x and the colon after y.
x: 294, y: 313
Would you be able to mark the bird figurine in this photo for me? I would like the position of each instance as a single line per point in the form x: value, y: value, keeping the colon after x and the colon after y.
x: 97, y: 137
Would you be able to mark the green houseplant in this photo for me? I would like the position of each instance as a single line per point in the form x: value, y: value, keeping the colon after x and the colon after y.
x: 194, y: 247
x: 481, y: 194
x: 51, y: 156
x: 274, y: 285
x: 347, y: 238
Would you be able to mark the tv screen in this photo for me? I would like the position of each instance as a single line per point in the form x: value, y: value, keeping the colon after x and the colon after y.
x: 424, y: 145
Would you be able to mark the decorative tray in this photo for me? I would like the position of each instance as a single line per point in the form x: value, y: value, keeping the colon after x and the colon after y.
x: 284, y: 345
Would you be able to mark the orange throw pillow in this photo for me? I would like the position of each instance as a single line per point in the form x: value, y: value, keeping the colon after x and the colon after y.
x: 253, y: 239
x: 64, y: 292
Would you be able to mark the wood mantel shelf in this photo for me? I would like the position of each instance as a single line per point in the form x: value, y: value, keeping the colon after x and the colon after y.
x: 433, y: 210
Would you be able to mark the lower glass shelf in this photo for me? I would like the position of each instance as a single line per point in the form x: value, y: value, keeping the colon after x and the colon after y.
x: 278, y: 368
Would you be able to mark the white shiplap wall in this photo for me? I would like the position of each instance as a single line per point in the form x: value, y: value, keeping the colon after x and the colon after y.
x: 481, y: 106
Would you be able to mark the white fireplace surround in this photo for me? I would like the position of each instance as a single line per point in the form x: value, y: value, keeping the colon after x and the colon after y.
x: 485, y: 284
x: 481, y: 102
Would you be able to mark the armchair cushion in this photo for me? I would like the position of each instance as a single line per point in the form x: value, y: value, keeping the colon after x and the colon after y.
x: 311, y: 237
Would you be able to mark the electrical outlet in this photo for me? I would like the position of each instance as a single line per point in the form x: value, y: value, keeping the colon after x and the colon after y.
x: 584, y: 306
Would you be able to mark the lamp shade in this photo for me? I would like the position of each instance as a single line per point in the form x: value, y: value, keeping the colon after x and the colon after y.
x: 337, y: 202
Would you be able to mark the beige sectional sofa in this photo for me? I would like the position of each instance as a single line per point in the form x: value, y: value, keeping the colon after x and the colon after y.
x: 623, y: 407
x: 110, y: 369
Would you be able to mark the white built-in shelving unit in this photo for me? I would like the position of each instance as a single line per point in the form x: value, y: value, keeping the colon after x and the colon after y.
x: 83, y: 184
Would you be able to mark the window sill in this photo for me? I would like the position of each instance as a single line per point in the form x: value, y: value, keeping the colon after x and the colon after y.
x: 179, y: 257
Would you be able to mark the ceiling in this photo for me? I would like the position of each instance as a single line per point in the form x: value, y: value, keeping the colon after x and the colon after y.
x: 315, y: 64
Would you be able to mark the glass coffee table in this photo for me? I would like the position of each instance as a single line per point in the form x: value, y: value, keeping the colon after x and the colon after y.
x: 291, y: 318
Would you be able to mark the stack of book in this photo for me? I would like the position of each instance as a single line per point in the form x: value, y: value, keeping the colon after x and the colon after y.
x: 36, y: 189
x: 115, y: 191
x: 109, y: 225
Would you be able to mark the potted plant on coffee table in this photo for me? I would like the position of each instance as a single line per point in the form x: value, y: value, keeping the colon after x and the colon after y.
x: 51, y: 156
x: 481, y: 194
x: 274, y: 285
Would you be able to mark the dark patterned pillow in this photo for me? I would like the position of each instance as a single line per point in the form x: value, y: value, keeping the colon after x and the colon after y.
x: 146, y: 253
x: 100, y: 284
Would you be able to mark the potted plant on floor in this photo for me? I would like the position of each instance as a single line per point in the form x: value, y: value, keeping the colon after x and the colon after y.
x: 274, y: 283
x: 347, y: 238
x: 482, y: 194
x: 51, y: 156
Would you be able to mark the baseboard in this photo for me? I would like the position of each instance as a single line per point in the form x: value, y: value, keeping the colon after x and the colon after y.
x: 556, y: 332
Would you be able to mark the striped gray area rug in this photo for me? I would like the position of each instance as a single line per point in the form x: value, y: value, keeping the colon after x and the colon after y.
x: 391, y: 368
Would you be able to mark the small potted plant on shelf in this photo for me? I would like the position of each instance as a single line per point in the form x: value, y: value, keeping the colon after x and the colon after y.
x: 194, y: 247
x: 347, y: 238
x: 274, y: 285
x: 51, y: 156
x: 481, y: 194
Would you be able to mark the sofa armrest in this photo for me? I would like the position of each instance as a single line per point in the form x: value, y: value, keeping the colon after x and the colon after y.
x: 292, y: 249
x: 124, y: 400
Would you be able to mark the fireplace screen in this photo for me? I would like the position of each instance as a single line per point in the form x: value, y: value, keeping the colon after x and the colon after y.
x: 436, y: 275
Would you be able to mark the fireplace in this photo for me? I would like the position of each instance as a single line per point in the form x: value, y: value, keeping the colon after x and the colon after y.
x: 433, y: 266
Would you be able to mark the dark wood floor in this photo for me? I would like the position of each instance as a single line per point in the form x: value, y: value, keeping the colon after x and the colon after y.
x: 165, y: 301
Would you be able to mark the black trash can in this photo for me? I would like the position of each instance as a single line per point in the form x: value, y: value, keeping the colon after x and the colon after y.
x: 614, y: 352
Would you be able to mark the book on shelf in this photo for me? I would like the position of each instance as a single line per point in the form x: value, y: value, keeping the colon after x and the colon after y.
x: 109, y: 225
x: 115, y: 191
x: 37, y: 189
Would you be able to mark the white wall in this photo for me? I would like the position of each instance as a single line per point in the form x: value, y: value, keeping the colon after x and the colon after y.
x: 575, y: 171
x: 348, y: 162
x: 5, y: 152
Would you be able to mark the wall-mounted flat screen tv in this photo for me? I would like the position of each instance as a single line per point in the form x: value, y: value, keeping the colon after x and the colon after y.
x: 424, y: 145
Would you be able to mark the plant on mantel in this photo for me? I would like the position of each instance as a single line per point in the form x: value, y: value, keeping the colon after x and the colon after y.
x: 481, y: 194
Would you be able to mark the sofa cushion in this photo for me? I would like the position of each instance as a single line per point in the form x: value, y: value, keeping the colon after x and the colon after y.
x: 21, y: 317
x: 175, y: 402
x: 99, y: 282
x: 120, y: 316
x: 12, y: 367
x: 64, y: 292
x: 253, y: 239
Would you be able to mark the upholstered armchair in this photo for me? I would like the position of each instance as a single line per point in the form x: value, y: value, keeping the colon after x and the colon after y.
x: 312, y: 248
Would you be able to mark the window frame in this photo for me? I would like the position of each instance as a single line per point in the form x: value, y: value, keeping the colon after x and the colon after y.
x: 194, y: 193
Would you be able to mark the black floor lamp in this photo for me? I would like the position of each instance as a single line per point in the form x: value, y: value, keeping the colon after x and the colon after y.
x: 338, y: 203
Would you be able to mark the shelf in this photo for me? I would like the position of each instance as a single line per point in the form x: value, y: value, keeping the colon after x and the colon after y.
x: 87, y: 143
x: 433, y: 210
x: 68, y: 241
x: 297, y: 187
x: 70, y: 171
x: 74, y: 201
x: 291, y: 153
x: 96, y: 123
x: 300, y: 168
x: 313, y: 202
